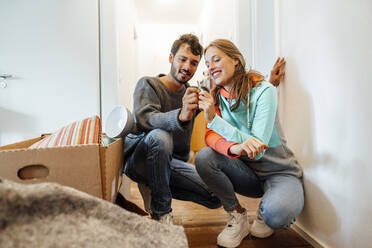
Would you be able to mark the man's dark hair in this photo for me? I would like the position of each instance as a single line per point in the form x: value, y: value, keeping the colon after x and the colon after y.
x: 191, y: 40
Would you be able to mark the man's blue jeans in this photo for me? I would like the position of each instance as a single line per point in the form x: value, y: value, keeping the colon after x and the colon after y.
x: 282, y: 194
x: 152, y: 164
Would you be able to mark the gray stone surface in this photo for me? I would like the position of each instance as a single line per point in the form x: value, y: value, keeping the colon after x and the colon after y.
x: 51, y: 215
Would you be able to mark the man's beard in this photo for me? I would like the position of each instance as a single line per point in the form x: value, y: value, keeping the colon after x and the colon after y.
x: 174, y: 73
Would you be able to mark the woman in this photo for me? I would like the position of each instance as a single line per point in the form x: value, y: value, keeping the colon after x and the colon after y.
x: 241, y: 112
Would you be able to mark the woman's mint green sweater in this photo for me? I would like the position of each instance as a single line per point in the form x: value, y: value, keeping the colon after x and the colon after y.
x: 263, y: 124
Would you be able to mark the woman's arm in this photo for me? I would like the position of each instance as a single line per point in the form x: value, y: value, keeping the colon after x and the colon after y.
x: 251, y: 147
x: 219, y: 143
x: 262, y: 123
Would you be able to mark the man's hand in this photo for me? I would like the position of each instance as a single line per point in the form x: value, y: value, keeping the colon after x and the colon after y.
x: 206, y: 103
x: 251, y: 147
x: 189, y: 104
x: 277, y: 73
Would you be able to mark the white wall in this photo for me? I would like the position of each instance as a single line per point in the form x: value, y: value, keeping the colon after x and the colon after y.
x: 255, y: 33
x: 326, y: 111
x: 218, y: 20
x: 264, y: 36
x: 244, y: 38
x: 109, y: 77
x: 126, y: 19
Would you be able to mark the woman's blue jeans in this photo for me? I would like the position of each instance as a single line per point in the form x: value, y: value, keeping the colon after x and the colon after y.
x: 282, y: 194
x: 152, y: 164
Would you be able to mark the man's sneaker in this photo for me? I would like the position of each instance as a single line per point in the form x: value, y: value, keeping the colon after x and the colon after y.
x: 260, y: 229
x: 236, y: 229
x: 146, y: 196
x: 166, y: 219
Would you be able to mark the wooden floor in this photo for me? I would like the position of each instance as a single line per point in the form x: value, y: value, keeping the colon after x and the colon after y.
x: 202, y: 225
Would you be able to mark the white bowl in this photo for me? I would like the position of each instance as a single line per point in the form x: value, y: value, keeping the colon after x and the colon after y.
x: 119, y: 122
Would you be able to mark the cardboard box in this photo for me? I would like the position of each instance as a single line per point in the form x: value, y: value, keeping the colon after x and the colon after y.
x: 93, y: 168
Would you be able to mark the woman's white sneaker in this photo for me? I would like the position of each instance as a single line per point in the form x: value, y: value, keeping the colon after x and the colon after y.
x: 236, y: 229
x: 260, y: 229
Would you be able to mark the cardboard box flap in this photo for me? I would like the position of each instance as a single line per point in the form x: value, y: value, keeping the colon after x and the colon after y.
x: 111, y: 160
x: 20, y: 145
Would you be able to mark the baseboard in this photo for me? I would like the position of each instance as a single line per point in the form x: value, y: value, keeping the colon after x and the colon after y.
x: 307, y: 237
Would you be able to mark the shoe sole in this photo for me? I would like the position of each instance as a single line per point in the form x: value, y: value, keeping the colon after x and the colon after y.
x: 262, y: 235
x: 233, y: 245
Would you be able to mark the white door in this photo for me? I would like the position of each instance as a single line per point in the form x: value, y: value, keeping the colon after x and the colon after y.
x: 51, y: 50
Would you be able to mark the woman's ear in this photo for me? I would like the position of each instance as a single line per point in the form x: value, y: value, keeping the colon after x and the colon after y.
x: 236, y: 62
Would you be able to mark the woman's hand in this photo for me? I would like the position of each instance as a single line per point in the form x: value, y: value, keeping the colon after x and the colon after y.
x: 251, y: 147
x: 206, y: 103
x: 278, y: 72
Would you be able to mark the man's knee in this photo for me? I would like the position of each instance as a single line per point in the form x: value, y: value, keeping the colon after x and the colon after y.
x: 160, y: 140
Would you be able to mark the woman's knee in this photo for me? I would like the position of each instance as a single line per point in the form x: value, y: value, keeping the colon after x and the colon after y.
x: 204, y: 160
x: 282, y: 202
x: 160, y: 140
x: 279, y: 215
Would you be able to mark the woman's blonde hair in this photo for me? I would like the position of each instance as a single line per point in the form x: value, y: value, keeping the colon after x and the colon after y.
x: 242, y: 81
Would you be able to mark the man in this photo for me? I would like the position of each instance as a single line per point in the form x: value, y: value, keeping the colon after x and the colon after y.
x: 164, y: 111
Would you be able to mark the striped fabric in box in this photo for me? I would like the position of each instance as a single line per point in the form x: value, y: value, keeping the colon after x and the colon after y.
x: 86, y: 131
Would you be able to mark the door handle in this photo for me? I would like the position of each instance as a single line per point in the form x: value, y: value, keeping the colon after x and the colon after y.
x: 6, y: 76
x: 3, y: 78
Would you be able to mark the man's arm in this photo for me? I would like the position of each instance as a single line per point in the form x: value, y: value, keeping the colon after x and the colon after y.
x: 278, y: 72
x: 147, y: 110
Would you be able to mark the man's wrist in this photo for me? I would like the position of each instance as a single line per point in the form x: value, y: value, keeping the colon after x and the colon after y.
x: 180, y: 117
x: 182, y: 120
